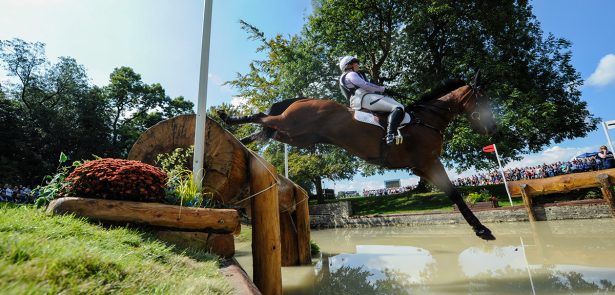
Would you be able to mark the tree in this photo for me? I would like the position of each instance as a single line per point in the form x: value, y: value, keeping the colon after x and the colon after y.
x: 294, y: 68
x: 136, y: 106
x: 42, y: 96
x: 412, y: 45
x: 48, y: 108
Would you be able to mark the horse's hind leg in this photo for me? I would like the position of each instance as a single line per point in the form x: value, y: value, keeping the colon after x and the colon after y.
x: 240, y: 120
x: 437, y: 175
x: 264, y: 134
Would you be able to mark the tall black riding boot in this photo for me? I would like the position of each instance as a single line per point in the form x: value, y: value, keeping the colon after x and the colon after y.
x: 395, y: 119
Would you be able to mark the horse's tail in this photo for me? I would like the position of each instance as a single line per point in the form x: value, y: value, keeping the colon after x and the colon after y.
x: 268, y: 132
x: 263, y: 135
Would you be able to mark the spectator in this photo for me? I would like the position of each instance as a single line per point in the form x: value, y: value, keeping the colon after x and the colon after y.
x: 606, y: 158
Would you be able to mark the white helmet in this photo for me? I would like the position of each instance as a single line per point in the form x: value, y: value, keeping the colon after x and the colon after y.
x: 345, y: 61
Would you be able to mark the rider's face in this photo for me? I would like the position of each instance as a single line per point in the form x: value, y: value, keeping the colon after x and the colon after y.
x: 355, y: 66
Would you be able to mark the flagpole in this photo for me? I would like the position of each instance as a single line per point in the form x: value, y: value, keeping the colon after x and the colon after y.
x: 503, y: 175
x: 201, y: 106
x: 608, y: 138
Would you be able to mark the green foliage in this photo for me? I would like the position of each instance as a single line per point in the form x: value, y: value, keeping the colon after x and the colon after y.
x: 180, y: 188
x: 314, y: 248
x: 44, y: 254
x: 498, y: 190
x: 52, y: 107
x: 412, y: 45
x: 482, y: 196
x: 54, y: 184
x: 592, y: 194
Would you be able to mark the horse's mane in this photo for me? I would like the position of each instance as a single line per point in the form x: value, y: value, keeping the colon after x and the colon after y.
x: 440, y: 90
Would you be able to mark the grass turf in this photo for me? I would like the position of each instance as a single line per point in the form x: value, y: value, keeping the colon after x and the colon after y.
x: 406, y: 203
x: 43, y: 254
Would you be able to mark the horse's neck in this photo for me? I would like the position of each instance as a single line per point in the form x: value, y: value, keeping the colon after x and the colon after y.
x: 440, y: 112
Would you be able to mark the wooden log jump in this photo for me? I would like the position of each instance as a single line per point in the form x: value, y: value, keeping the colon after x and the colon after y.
x: 151, y: 214
x: 529, y: 188
x: 210, y: 229
x: 232, y: 177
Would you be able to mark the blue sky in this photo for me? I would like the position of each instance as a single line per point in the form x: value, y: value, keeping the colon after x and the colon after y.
x: 161, y: 40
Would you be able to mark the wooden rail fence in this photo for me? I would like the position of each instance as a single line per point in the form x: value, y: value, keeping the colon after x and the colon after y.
x: 277, y: 207
x: 527, y: 189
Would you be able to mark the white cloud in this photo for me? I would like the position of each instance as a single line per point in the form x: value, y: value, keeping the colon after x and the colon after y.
x: 239, y: 101
x: 220, y: 83
x: 604, y: 73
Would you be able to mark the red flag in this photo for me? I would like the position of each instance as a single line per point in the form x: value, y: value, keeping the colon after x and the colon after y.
x: 489, y: 149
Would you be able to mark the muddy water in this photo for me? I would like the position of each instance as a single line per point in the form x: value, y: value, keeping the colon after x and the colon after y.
x: 554, y: 257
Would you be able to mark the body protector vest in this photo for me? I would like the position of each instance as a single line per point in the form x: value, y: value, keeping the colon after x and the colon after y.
x: 350, y: 93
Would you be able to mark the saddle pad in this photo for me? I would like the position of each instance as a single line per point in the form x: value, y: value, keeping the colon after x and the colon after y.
x: 372, y: 119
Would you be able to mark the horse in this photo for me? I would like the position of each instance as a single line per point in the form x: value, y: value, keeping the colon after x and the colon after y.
x: 304, y: 122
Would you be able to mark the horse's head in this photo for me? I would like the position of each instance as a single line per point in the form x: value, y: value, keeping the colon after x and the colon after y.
x: 477, y: 108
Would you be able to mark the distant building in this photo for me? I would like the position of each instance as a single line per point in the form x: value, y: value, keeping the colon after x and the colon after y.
x: 343, y: 194
x: 329, y: 193
x: 395, y: 183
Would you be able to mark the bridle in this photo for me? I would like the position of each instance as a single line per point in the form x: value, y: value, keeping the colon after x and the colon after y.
x: 474, y: 92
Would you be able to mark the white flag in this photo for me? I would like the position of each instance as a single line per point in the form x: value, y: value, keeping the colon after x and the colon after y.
x: 610, y: 124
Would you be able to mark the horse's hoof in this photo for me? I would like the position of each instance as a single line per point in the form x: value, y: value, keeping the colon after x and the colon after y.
x: 485, y: 234
x: 223, y: 116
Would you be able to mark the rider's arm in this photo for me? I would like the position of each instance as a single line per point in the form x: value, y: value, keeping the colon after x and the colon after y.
x: 356, y: 80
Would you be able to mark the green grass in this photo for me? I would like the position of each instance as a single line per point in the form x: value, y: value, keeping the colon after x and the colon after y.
x: 408, y: 203
x: 43, y: 254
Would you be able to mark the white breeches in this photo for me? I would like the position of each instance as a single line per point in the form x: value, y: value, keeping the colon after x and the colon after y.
x: 373, y: 102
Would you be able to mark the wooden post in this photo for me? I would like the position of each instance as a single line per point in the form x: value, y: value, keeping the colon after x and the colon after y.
x: 607, y: 191
x: 302, y: 223
x: 288, y: 237
x: 527, y: 201
x: 266, y: 246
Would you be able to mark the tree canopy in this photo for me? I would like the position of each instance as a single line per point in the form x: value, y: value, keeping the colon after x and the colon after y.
x: 49, y: 108
x: 412, y: 45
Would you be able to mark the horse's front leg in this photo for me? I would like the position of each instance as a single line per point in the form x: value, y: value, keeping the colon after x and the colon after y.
x: 240, y: 120
x: 436, y: 174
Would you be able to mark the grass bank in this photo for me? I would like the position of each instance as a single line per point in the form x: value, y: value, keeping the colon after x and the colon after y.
x: 405, y: 203
x: 42, y: 254
x: 438, y: 201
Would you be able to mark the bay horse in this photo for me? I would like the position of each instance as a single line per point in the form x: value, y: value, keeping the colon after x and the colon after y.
x: 305, y: 122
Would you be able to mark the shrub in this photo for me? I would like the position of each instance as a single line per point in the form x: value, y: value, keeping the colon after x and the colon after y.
x: 53, y: 184
x: 482, y: 196
x: 180, y: 187
x: 116, y: 179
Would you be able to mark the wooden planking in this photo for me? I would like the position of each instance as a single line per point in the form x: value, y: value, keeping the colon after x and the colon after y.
x: 226, y: 159
x: 606, y: 186
x: 222, y: 245
x: 152, y: 214
x: 559, y: 184
x: 266, y: 245
x: 302, y: 223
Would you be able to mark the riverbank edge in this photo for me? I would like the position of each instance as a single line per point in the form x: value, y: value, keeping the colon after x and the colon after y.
x: 338, y: 215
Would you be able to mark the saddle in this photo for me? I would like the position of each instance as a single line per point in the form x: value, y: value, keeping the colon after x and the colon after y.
x: 379, y: 119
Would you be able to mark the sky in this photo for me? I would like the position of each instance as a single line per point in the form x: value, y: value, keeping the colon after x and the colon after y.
x: 161, y: 40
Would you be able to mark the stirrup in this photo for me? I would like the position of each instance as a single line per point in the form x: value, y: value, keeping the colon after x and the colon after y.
x: 392, y: 139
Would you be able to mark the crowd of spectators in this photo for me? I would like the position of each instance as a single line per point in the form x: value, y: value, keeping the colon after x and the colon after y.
x: 16, y: 194
x: 541, y: 171
x: 386, y: 191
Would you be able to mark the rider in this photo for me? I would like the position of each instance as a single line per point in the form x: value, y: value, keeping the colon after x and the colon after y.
x: 363, y: 94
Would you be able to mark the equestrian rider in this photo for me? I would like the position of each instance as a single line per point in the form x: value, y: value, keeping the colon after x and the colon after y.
x: 363, y: 94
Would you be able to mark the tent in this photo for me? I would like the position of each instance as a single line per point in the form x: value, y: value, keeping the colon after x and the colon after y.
x: 586, y: 155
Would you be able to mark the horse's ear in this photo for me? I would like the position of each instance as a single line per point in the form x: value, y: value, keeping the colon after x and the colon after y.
x: 476, y: 79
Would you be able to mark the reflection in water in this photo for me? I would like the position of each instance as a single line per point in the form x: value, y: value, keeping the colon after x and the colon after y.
x: 449, y: 261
